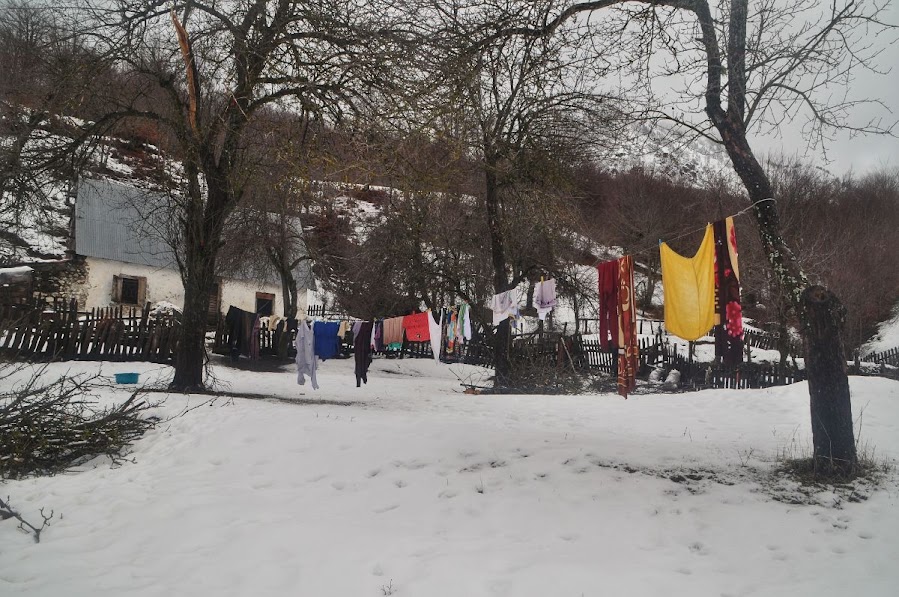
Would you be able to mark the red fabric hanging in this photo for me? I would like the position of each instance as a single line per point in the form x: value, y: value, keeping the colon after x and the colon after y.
x: 728, y: 311
x: 608, y: 304
x: 416, y: 327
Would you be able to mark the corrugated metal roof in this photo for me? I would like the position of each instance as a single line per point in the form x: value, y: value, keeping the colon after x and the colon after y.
x: 109, y: 224
x: 124, y: 223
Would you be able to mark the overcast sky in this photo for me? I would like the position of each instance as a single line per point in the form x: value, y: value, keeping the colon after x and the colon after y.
x: 864, y: 153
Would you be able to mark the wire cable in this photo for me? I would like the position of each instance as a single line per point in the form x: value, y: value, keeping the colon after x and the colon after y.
x: 688, y: 233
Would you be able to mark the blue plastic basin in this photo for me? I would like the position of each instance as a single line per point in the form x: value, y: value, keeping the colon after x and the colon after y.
x: 126, y: 377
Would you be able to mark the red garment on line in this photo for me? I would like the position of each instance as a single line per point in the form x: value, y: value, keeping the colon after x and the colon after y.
x: 608, y: 304
x: 416, y: 327
x: 728, y: 311
x: 628, y: 347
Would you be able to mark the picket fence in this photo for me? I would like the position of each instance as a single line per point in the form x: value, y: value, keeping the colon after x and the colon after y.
x: 887, y: 357
x: 59, y: 332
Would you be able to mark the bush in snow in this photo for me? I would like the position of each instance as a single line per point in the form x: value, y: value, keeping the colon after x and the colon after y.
x: 48, y: 427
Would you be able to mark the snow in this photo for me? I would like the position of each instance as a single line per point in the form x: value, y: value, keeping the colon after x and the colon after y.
x: 887, y: 336
x: 418, y: 489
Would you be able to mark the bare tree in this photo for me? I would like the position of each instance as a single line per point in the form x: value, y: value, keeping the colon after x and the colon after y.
x: 46, y: 73
x: 752, y: 66
x: 519, y: 103
x: 203, y: 72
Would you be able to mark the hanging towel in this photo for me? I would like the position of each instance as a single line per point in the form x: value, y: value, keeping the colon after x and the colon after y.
x: 628, y: 348
x: 306, y: 361
x: 545, y: 297
x: 435, y: 328
x: 450, y: 329
x: 327, y: 343
x: 689, y: 285
x: 362, y: 352
x: 393, y: 330
x: 608, y: 304
x: 505, y: 305
x: 465, y: 325
x: 728, y: 311
x: 416, y: 327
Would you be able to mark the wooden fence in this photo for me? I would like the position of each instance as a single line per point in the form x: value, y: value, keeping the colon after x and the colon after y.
x: 887, y: 357
x: 57, y: 331
x: 62, y: 333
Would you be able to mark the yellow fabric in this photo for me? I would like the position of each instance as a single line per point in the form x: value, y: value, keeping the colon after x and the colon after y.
x: 689, y: 285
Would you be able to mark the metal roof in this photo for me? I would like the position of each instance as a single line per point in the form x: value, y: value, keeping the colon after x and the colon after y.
x: 124, y: 223
x: 109, y: 224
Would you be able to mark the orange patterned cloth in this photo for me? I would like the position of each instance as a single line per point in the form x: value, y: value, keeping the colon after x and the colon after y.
x: 628, y: 347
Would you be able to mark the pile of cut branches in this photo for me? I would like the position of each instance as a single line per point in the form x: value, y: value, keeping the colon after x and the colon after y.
x: 48, y: 427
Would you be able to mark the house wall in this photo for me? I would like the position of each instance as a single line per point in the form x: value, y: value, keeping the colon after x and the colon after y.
x: 165, y: 285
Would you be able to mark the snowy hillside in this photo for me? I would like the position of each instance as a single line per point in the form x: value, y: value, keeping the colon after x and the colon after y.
x: 416, y: 489
x: 887, y: 336
x: 661, y: 151
x: 36, y: 210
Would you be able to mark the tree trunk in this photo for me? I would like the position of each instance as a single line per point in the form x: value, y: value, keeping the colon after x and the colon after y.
x: 288, y: 290
x: 190, y: 357
x: 820, y: 316
x: 825, y: 362
x: 503, y: 334
x: 202, y: 236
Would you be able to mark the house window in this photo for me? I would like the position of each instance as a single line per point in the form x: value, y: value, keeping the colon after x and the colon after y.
x: 265, y: 303
x: 129, y: 290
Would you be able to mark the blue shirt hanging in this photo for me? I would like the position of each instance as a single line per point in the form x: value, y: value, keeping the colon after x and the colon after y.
x: 327, y: 342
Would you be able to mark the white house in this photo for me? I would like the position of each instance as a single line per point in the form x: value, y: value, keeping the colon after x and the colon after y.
x: 119, y: 231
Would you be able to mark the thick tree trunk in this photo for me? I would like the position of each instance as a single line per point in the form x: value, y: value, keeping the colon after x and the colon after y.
x: 820, y: 316
x: 203, y: 226
x: 503, y: 334
x: 288, y: 290
x: 825, y: 362
x: 190, y: 357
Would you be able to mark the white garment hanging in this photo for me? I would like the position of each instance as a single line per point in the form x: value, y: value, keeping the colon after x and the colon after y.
x: 435, y: 329
x: 307, y: 362
x: 545, y: 297
x: 505, y: 305
x: 466, y: 322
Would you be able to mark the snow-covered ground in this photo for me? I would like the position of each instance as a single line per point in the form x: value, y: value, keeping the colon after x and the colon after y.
x: 887, y: 337
x: 418, y: 489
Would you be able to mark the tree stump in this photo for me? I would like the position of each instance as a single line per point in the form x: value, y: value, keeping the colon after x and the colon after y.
x: 825, y: 363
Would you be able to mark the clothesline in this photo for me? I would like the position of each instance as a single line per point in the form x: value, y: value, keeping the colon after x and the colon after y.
x: 655, y: 246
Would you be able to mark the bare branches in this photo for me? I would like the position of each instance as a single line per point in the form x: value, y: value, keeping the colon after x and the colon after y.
x: 46, y: 428
x: 7, y: 511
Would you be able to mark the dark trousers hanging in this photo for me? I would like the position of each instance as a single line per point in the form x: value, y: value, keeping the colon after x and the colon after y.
x: 362, y: 352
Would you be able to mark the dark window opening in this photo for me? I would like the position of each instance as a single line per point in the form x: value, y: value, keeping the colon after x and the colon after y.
x: 265, y: 303
x: 130, y: 291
